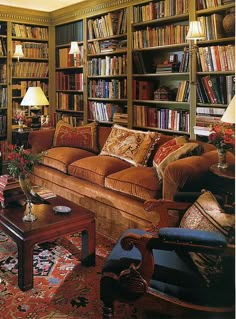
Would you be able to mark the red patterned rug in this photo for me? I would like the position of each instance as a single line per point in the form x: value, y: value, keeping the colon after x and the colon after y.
x: 63, y: 289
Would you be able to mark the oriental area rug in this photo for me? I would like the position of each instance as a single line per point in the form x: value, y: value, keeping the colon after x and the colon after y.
x: 63, y: 288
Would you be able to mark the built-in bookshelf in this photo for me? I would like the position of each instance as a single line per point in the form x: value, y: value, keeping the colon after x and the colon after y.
x: 215, y: 66
x: 107, y: 67
x: 69, y: 74
x: 30, y: 70
x: 160, y: 77
x: 3, y: 80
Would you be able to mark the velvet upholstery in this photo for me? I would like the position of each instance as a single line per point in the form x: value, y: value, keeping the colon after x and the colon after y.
x: 114, y: 189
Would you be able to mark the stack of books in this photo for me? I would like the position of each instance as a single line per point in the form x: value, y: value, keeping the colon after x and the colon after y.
x: 10, y: 190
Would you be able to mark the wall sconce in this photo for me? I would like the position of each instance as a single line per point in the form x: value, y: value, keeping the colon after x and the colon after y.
x: 74, y: 49
x: 35, y: 97
x: 18, y: 52
x: 229, y: 114
x: 195, y: 33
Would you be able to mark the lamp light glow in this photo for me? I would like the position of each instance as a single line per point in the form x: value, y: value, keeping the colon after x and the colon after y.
x: 18, y: 52
x: 195, y: 31
x: 74, y: 49
x: 229, y: 114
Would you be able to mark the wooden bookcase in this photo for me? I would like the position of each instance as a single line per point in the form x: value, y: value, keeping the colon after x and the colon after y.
x: 3, y: 81
x: 69, y: 74
x: 154, y: 79
x: 215, y: 68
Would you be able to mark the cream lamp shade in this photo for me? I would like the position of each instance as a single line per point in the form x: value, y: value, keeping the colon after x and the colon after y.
x: 229, y: 114
x: 18, y: 52
x: 74, y: 48
x: 35, y: 97
x: 195, y: 31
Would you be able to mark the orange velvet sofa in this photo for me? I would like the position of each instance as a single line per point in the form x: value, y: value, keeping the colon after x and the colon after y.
x: 115, y: 190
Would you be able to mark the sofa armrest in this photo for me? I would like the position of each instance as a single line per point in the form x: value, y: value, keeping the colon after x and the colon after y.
x: 41, y: 140
x: 187, y: 174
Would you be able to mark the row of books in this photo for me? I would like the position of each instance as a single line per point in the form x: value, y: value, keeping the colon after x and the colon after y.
x: 3, y: 47
x: 69, y: 81
x: 205, y: 4
x: 113, y: 89
x: 159, y: 9
x: 121, y: 118
x: 19, y: 88
x: 33, y: 49
x: 110, y: 65
x: 110, y: 24
x: 64, y: 59
x: 159, y: 36
x: 142, y: 90
x: 215, y: 89
x: 30, y: 69
x: 207, y: 120
x: 216, y: 58
x: 3, y: 97
x: 3, y: 125
x: 3, y: 73
x: 69, y: 101
x: 183, y: 92
x: 69, y: 32
x: 162, y: 118
x: 110, y: 45
x: 212, y: 26
x: 103, y: 112
x: 31, y: 32
x: 3, y: 28
x: 215, y: 111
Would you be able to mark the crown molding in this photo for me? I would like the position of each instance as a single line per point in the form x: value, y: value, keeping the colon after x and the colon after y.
x: 22, y: 15
x: 83, y: 9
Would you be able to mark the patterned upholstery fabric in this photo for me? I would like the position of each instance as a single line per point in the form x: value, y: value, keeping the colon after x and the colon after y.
x: 173, y: 150
x: 130, y: 145
x: 84, y: 137
x: 206, y: 214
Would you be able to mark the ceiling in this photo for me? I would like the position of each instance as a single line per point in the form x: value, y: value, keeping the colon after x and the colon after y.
x: 43, y: 5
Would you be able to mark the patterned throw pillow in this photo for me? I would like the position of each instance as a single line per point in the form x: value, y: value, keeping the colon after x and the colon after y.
x: 84, y: 137
x: 173, y: 150
x: 130, y: 145
x: 206, y: 214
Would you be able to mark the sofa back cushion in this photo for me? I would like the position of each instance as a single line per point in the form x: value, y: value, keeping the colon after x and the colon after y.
x: 132, y: 146
x: 84, y: 137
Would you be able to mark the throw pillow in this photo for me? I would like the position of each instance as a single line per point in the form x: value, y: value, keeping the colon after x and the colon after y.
x: 84, y: 137
x: 171, y: 151
x: 206, y: 214
x: 130, y: 145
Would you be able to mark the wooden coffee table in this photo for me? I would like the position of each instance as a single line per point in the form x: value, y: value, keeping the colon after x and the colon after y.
x: 47, y: 227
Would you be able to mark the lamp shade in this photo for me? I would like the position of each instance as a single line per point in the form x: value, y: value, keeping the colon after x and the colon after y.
x: 34, y: 96
x: 195, y: 31
x: 18, y: 51
x: 229, y: 114
x: 74, y: 48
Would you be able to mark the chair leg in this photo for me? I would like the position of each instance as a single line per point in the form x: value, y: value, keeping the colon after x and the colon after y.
x: 107, y: 311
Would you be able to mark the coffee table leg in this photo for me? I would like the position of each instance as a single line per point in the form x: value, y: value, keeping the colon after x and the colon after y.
x: 88, y: 245
x: 25, y: 265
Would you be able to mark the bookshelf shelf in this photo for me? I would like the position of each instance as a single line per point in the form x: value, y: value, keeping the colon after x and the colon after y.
x: 70, y: 68
x: 117, y: 36
x: 106, y: 99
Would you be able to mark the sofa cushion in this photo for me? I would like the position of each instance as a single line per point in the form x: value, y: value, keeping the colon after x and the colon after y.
x: 60, y: 157
x: 171, y: 151
x: 96, y: 168
x: 130, y: 145
x: 84, y: 137
x: 206, y: 214
x: 140, y: 182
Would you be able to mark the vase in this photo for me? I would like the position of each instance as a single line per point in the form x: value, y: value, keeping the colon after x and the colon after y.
x: 229, y: 22
x: 222, y: 158
x: 20, y: 129
x: 26, y: 188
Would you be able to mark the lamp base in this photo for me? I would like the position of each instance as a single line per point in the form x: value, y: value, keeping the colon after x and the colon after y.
x: 36, y: 122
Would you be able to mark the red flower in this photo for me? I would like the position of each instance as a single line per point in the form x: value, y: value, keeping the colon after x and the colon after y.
x: 222, y: 136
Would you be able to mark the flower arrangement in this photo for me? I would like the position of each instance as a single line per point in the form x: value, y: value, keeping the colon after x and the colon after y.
x: 222, y: 136
x: 21, y: 161
x: 20, y: 115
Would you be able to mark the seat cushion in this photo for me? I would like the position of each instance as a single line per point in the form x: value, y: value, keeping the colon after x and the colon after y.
x: 140, y: 182
x: 60, y: 157
x: 130, y: 145
x: 84, y: 137
x: 96, y: 168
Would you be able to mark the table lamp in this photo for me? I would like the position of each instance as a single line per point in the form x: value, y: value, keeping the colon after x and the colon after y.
x: 229, y: 114
x: 35, y: 98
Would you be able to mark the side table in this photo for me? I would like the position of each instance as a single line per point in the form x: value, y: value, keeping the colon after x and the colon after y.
x: 222, y: 182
